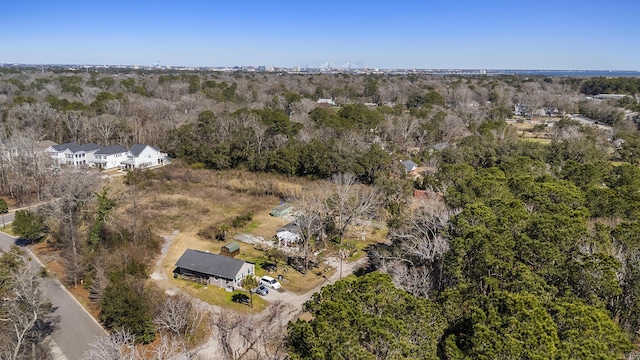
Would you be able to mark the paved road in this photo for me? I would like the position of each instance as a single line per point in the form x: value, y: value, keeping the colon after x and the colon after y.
x: 76, y: 328
x: 587, y: 121
x: 7, y: 218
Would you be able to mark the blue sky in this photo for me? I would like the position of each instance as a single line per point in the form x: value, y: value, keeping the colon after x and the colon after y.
x: 481, y: 34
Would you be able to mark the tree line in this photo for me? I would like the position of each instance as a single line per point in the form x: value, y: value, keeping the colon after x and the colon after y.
x: 531, y: 251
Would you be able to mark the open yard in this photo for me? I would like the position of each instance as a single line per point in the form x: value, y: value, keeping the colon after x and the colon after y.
x: 187, y: 202
x: 183, y: 203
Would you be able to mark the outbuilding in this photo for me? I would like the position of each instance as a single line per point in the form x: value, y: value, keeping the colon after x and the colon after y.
x: 231, y: 249
x: 281, y: 210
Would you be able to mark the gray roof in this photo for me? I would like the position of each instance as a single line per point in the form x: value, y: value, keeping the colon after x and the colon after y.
x: 65, y: 146
x: 136, y: 149
x: 409, y: 165
x: 281, y: 207
x: 110, y: 150
x: 210, y: 264
x: 85, y: 148
x: 440, y: 146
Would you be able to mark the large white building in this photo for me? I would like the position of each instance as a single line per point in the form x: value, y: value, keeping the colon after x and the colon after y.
x: 108, y: 157
x: 143, y: 156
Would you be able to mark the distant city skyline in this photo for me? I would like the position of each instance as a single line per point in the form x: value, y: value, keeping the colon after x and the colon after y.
x: 499, y: 34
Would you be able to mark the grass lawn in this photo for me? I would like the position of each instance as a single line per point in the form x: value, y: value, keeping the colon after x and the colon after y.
x: 7, y: 229
x: 220, y: 297
x: 537, y: 140
x: 618, y: 163
x: 187, y: 202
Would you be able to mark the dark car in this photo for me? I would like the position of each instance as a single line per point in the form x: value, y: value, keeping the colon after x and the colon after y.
x: 262, y: 290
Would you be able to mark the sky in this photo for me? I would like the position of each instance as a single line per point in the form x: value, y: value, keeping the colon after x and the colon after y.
x: 443, y: 34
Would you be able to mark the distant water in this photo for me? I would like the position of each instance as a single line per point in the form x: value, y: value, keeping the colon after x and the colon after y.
x: 572, y: 73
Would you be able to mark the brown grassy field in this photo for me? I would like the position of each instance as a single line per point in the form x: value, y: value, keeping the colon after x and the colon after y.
x: 183, y: 201
x: 180, y: 202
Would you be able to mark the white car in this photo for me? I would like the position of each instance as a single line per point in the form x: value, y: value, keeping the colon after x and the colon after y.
x: 270, y: 282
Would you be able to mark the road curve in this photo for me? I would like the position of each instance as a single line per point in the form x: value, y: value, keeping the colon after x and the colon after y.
x: 76, y: 327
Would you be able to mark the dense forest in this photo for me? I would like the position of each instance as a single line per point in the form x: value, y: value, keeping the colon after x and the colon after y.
x: 521, y: 249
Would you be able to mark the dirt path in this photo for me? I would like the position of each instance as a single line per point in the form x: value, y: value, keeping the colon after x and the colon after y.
x: 289, y: 303
x: 294, y: 302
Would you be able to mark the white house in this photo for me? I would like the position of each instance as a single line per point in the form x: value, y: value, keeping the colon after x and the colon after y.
x: 79, y: 155
x: 57, y: 151
x: 327, y: 101
x: 109, y: 157
x: 142, y: 156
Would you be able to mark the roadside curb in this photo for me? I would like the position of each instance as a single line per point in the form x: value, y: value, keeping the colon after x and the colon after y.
x: 58, y: 283
x: 55, y: 349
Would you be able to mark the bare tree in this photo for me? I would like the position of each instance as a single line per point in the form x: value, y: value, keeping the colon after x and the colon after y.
x: 248, y: 337
x: 75, y: 122
x: 100, y: 280
x: 106, y: 126
x: 38, y: 119
x: 170, y: 348
x: 25, y: 313
x: 226, y: 324
x: 311, y: 214
x: 120, y: 345
x: 349, y: 201
x: 117, y: 346
x: 72, y: 191
x: 416, y: 264
x: 178, y: 317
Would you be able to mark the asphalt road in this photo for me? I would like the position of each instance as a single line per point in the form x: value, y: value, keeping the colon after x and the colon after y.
x: 76, y: 328
x: 7, y: 218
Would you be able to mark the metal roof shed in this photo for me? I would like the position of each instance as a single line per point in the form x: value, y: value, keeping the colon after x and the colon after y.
x: 231, y: 249
x: 280, y: 210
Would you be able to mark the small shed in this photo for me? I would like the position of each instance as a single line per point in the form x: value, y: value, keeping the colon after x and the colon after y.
x: 231, y: 249
x: 280, y: 210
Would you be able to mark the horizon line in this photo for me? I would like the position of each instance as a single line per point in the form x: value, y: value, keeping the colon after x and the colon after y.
x: 166, y: 67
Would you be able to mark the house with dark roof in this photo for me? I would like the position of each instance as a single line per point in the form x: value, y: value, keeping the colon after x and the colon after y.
x: 57, y: 151
x: 80, y: 155
x: 109, y: 157
x: 219, y: 270
x: 143, y: 156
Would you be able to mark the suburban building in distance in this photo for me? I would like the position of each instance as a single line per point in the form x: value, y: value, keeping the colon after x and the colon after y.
x: 109, y: 157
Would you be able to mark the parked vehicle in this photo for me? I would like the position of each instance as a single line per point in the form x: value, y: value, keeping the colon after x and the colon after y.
x: 262, y: 290
x: 270, y: 282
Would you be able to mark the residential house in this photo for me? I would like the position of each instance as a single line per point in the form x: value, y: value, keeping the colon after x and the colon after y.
x: 143, y: 156
x: 212, y: 269
x: 79, y: 155
x: 327, y: 101
x: 109, y: 157
x: 57, y: 152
